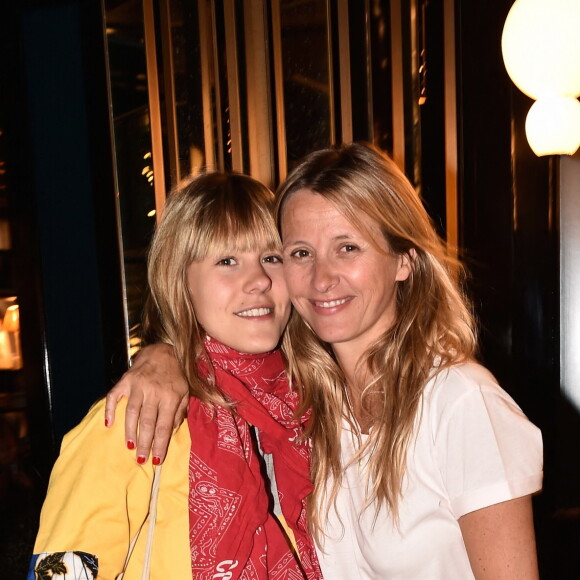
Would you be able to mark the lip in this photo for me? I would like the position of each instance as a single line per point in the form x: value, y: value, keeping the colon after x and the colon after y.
x: 260, y: 311
x: 331, y: 306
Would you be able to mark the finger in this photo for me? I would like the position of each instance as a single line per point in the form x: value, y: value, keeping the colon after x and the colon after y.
x: 169, y: 409
x: 181, y: 412
x: 147, y: 422
x: 132, y: 414
x: 111, y: 401
x: 163, y: 433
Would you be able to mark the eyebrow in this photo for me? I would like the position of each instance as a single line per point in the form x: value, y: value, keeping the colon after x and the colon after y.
x: 339, y: 238
x: 333, y: 238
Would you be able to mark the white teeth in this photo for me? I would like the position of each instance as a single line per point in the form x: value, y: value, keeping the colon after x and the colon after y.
x: 332, y: 303
x: 254, y: 312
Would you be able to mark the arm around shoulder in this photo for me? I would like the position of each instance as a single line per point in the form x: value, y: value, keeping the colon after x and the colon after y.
x: 158, y: 394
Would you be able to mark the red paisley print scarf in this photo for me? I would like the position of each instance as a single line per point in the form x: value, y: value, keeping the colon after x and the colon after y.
x: 233, y: 533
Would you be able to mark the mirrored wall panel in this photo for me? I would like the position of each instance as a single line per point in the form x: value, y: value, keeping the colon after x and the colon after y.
x: 249, y: 87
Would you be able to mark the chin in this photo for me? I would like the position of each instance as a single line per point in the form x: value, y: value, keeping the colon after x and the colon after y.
x: 258, y: 346
x: 329, y: 335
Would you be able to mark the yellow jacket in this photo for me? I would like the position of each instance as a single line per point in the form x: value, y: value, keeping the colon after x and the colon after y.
x: 98, y: 497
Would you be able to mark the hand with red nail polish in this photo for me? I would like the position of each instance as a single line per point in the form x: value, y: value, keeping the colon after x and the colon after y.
x: 157, y: 398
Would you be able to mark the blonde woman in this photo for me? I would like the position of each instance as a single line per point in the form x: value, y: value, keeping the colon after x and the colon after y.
x: 423, y: 467
x: 217, y: 294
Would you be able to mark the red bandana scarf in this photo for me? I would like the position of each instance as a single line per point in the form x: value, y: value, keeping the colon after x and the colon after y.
x: 233, y: 533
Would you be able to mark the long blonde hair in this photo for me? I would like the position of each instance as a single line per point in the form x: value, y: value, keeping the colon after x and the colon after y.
x: 214, y: 212
x: 433, y: 326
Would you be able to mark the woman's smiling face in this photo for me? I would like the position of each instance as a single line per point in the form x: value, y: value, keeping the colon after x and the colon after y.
x: 240, y: 298
x: 340, y: 281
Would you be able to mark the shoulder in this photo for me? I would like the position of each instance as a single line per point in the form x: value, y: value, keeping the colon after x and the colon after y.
x: 467, y: 397
x: 92, y: 440
x: 91, y: 431
x: 486, y: 449
x: 91, y: 450
x: 465, y: 400
x: 461, y: 383
x: 462, y: 378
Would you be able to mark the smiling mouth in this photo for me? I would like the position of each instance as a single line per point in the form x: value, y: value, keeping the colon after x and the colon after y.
x: 254, y: 312
x: 331, y: 303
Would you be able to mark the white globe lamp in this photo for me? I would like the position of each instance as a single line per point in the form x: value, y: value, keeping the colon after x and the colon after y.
x: 541, y: 52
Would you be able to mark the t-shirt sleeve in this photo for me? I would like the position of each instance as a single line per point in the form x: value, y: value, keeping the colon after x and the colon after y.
x: 89, y: 514
x: 487, y: 450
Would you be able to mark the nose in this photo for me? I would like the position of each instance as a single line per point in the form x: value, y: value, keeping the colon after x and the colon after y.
x: 257, y: 280
x: 324, y: 276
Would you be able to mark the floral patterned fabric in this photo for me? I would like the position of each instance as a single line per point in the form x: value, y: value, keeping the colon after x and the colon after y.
x: 73, y: 565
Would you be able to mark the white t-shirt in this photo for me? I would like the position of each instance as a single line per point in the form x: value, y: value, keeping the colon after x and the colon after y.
x: 474, y: 448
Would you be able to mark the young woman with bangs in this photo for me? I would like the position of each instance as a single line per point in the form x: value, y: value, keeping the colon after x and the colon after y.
x: 423, y: 467
x: 217, y: 294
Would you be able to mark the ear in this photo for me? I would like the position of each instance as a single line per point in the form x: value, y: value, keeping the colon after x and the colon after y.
x: 405, y: 265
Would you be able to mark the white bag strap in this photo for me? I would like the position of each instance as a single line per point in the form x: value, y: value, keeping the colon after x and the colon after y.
x: 152, y: 520
x: 152, y: 517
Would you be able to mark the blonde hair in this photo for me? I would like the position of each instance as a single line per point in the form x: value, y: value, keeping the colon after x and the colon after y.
x: 433, y: 326
x: 213, y: 213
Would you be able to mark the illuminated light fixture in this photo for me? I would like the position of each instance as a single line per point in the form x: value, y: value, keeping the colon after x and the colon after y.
x: 11, y: 320
x: 541, y: 51
x: 11, y: 325
x: 553, y: 126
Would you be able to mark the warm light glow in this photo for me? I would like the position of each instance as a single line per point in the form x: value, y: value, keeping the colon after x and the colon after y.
x: 553, y: 126
x: 12, y: 319
x: 10, y: 353
x: 541, y: 47
x: 151, y: 213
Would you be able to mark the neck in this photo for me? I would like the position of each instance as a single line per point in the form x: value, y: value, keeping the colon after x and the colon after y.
x: 348, y: 360
x: 357, y: 379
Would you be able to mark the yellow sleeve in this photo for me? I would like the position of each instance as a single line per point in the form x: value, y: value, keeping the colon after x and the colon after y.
x: 98, y: 496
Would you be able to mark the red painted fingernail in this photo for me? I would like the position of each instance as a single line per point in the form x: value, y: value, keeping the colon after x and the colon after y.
x: 156, y: 460
x: 141, y: 459
x: 130, y: 445
x: 106, y: 422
